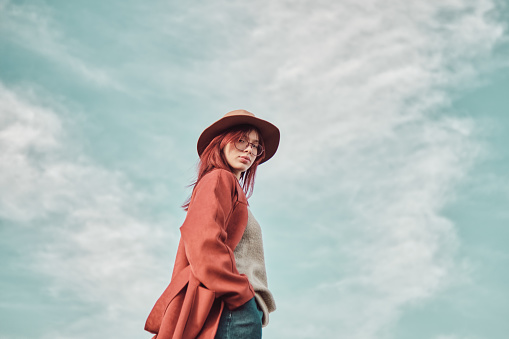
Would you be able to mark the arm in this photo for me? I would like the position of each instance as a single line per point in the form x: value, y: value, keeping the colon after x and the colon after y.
x: 204, y: 235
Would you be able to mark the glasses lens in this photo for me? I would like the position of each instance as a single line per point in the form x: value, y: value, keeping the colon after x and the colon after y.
x: 242, y: 144
x: 259, y: 150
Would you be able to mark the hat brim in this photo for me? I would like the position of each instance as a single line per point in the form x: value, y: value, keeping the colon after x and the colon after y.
x: 269, y: 133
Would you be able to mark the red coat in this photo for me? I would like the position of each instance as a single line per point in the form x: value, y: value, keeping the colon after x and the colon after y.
x: 205, y: 277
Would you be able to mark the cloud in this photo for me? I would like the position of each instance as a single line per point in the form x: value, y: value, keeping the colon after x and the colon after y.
x: 92, y: 239
x: 371, y: 153
x: 33, y: 27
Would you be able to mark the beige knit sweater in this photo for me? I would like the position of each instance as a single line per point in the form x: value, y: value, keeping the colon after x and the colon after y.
x: 251, y: 262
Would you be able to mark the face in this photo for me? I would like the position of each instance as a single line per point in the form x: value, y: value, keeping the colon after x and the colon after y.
x: 240, y: 161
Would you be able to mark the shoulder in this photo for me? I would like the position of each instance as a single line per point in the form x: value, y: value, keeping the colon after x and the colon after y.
x: 218, y: 182
x: 219, y: 173
x: 219, y: 185
x: 218, y: 177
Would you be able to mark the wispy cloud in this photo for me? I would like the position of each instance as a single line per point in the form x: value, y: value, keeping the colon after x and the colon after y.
x: 32, y: 26
x: 373, y: 150
x: 371, y: 153
x: 92, y: 239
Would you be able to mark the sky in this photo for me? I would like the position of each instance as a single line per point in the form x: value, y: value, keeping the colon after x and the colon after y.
x: 384, y: 212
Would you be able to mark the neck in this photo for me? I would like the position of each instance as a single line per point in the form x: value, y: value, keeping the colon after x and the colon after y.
x: 236, y: 173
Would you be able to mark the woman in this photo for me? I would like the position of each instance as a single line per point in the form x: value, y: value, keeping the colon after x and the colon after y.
x: 219, y: 287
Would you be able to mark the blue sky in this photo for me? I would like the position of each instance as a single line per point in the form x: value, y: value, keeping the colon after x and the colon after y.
x: 384, y: 211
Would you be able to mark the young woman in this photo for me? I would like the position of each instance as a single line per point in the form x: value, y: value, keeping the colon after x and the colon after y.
x: 219, y: 286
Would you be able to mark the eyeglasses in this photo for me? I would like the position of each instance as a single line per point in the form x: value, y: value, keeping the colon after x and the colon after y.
x: 243, y: 144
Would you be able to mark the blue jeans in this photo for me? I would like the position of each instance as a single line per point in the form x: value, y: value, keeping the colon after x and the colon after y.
x: 244, y: 322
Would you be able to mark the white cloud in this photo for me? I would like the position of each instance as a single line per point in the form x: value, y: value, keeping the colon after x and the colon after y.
x: 362, y: 93
x: 92, y: 238
x: 33, y: 27
x: 371, y: 152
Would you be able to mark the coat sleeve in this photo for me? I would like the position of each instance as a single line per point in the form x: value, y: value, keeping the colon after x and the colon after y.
x: 204, y: 235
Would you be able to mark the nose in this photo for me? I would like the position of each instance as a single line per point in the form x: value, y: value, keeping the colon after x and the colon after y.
x: 249, y: 149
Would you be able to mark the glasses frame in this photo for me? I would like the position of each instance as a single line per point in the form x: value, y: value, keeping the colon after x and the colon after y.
x: 253, y: 146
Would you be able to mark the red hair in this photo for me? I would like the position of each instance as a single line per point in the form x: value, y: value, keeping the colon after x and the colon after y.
x: 213, y: 157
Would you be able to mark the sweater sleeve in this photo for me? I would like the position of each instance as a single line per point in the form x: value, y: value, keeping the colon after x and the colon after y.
x: 204, y: 235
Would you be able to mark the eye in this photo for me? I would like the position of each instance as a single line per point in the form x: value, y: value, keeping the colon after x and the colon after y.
x: 242, y: 141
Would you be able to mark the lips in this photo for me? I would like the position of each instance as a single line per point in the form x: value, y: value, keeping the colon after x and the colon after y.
x: 245, y: 160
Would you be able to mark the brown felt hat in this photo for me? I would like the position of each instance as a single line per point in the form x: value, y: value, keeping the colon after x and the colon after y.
x: 269, y: 132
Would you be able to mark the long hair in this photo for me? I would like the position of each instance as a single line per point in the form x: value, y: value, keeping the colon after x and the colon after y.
x: 213, y: 157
